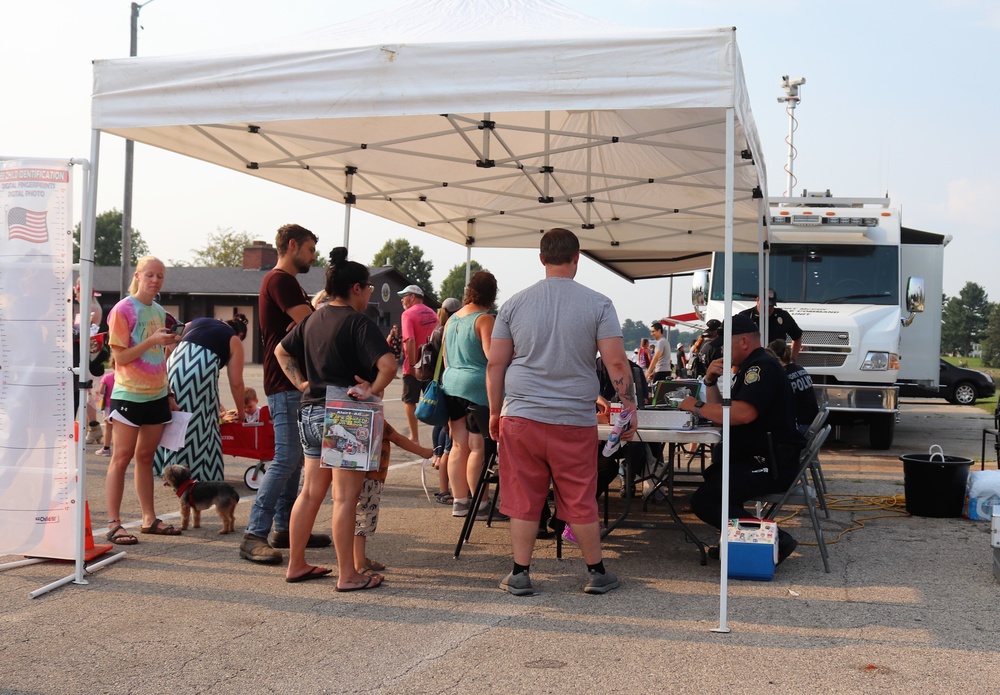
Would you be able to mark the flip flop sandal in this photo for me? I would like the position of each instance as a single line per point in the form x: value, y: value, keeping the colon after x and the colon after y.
x: 125, y: 538
x: 157, y: 528
x: 374, y: 582
x: 374, y: 565
x: 313, y: 573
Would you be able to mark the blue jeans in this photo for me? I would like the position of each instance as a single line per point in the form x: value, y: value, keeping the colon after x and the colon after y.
x: 280, y: 486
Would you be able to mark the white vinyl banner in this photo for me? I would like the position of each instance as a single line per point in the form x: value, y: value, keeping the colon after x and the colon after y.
x: 38, y: 465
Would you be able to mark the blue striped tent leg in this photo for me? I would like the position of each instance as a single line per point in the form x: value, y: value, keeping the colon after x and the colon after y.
x: 193, y: 372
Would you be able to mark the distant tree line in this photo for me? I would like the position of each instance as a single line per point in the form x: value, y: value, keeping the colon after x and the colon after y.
x: 970, y: 319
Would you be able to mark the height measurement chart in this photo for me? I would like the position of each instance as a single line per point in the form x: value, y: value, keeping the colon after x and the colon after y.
x: 38, y: 465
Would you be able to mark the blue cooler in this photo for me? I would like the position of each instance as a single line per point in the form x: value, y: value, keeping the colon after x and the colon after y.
x: 753, y: 548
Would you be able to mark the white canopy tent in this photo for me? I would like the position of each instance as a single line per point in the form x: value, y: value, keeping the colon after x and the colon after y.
x: 485, y: 122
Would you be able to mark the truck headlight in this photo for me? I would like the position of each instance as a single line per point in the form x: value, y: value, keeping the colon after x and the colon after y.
x: 880, y: 362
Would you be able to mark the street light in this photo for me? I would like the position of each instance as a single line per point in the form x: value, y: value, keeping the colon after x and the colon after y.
x: 129, y: 160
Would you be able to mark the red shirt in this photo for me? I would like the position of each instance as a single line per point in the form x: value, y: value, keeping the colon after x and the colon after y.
x: 279, y: 293
x: 418, y: 322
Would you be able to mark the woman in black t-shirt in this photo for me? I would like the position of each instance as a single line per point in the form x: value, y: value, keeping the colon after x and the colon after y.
x: 339, y: 346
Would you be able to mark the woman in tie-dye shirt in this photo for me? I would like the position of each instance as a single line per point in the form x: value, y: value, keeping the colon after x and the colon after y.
x: 140, y: 402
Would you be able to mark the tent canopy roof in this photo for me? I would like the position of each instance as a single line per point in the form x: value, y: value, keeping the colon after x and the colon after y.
x: 484, y: 122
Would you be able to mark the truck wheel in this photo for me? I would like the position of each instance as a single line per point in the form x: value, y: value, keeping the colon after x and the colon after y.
x: 964, y: 393
x: 881, y: 429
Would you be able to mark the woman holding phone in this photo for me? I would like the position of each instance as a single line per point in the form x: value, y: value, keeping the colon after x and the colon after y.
x: 140, y: 401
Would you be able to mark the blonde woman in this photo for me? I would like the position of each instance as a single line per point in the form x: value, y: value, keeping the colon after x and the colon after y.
x: 140, y: 401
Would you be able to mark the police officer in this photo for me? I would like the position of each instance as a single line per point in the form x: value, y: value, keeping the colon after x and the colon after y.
x: 707, y: 353
x: 762, y: 403
x: 780, y: 323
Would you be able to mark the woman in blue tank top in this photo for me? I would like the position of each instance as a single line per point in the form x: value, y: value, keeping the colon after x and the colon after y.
x: 466, y: 345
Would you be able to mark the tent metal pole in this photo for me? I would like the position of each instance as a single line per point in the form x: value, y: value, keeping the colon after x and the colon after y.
x: 470, y: 237
x: 349, y: 201
x: 727, y: 365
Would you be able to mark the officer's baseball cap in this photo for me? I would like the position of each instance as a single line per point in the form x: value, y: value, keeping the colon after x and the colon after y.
x: 741, y: 325
x: 711, y: 327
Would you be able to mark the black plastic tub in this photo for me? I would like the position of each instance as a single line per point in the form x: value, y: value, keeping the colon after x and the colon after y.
x: 935, y: 484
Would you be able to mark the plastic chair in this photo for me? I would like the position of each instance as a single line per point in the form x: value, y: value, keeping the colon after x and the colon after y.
x: 995, y: 433
x: 801, y: 493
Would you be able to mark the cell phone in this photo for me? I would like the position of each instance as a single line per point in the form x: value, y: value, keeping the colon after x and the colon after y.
x: 178, y: 328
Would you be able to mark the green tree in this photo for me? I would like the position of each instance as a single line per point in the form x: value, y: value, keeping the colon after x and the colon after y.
x: 454, y: 284
x: 991, y: 345
x: 633, y: 332
x: 108, y: 240
x: 964, y: 319
x: 223, y: 249
x: 409, y: 260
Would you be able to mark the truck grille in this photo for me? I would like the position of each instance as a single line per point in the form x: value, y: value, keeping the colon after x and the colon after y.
x: 820, y: 359
x: 825, y: 338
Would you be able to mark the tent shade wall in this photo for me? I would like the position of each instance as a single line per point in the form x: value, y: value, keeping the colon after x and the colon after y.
x: 485, y: 123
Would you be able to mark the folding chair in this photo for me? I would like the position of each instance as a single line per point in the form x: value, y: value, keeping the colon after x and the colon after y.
x: 801, y: 493
x: 995, y: 433
x: 819, y: 480
x: 489, y: 475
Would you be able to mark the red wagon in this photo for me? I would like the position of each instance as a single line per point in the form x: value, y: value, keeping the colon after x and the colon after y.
x: 253, y: 440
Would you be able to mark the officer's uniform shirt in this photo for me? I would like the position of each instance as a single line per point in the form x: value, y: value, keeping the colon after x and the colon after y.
x: 706, y: 355
x: 806, y: 407
x: 761, y: 381
x: 780, y: 324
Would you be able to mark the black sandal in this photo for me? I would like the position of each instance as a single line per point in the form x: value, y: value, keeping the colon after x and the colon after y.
x: 123, y: 538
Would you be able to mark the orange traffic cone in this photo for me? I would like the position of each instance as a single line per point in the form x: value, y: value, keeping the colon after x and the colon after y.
x: 90, y: 549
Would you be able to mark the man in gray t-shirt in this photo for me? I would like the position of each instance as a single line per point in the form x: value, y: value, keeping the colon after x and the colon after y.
x: 542, y: 389
x: 659, y: 364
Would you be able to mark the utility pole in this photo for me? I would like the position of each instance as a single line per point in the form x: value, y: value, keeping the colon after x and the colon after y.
x: 129, y: 161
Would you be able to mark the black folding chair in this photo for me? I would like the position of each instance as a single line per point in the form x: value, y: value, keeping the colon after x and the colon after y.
x: 801, y: 493
x: 995, y: 433
x: 490, y: 475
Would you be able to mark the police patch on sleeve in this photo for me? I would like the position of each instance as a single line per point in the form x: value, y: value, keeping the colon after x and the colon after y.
x: 752, y: 376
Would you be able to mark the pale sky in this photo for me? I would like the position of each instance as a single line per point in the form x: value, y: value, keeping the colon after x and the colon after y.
x: 900, y: 99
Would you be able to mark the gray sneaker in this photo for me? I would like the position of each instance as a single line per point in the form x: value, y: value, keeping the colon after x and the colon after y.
x: 461, y: 509
x: 517, y: 584
x: 600, y: 583
x: 255, y: 549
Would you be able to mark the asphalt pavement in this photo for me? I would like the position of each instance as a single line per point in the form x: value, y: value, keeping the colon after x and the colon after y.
x: 910, y: 604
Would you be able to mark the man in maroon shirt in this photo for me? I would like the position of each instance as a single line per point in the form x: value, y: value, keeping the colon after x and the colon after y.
x: 282, y: 304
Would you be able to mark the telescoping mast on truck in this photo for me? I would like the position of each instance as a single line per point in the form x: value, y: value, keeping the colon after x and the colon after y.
x: 854, y: 279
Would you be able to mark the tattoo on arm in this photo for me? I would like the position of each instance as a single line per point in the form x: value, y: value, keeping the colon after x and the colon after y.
x: 624, y: 388
x: 291, y: 368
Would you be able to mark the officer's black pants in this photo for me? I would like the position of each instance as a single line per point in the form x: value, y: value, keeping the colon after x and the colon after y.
x: 744, y: 484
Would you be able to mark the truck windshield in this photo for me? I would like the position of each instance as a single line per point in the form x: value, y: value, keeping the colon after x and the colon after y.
x: 818, y: 274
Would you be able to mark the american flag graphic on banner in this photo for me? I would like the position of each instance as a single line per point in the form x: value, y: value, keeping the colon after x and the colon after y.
x: 27, y: 225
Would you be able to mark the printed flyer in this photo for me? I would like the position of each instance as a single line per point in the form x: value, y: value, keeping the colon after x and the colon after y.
x: 352, y: 435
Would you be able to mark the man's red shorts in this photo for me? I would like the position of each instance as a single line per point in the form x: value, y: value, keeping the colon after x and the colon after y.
x: 532, y: 453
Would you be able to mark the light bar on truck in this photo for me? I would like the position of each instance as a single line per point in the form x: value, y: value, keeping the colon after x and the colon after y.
x: 808, y: 219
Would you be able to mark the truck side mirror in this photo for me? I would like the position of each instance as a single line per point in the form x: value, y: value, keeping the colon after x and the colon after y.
x: 914, y: 298
x: 699, y: 292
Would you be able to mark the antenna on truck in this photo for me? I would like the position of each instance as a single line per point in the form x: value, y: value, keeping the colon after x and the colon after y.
x: 791, y: 100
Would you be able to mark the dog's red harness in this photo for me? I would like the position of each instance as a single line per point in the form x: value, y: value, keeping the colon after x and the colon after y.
x: 186, y: 487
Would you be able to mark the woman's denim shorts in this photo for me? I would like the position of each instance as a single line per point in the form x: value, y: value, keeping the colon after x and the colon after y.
x: 311, y: 430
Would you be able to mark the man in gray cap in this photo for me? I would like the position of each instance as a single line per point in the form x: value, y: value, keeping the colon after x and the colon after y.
x: 418, y: 322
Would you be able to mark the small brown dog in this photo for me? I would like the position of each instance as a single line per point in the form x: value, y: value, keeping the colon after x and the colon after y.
x: 199, y: 496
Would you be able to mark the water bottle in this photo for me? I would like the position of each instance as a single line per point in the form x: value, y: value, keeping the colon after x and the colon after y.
x: 615, y: 438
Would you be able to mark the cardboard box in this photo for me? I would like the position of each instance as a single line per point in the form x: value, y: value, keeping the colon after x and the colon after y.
x: 995, y: 531
x: 753, y: 548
